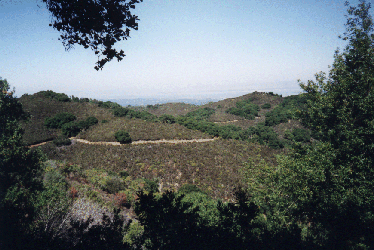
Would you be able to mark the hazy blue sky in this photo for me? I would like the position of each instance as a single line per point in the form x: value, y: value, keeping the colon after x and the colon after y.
x: 183, y: 48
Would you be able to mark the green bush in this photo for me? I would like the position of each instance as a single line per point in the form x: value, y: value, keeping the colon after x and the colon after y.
x: 108, y: 104
x: 263, y: 135
x: 266, y: 106
x: 114, y: 185
x: 286, y: 110
x: 189, y: 188
x: 75, y: 99
x: 61, y: 97
x: 66, y: 169
x: 277, y: 116
x: 59, y: 120
x: 126, y: 112
x: 123, y: 137
x: 120, y: 111
x: 71, y: 129
x: 84, y: 100
x: 62, y: 141
x: 83, y: 125
x: 123, y: 174
x: 245, y: 109
x: 153, y: 107
x: 92, y: 120
x: 169, y: 119
x: 151, y: 185
x: 301, y: 135
x: 104, y: 121
x: 54, y: 177
x: 144, y: 115
x: 201, y: 114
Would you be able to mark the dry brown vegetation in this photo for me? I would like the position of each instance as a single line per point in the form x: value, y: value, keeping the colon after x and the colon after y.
x: 259, y: 98
x: 212, y: 166
x: 169, y: 108
x: 40, y: 108
x: 140, y: 130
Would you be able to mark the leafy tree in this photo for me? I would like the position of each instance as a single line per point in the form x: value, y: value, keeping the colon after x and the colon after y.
x: 19, y: 173
x: 196, y: 221
x: 328, y: 187
x: 341, y: 106
x: 94, y: 24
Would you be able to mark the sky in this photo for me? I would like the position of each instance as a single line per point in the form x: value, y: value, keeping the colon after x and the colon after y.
x: 182, y: 49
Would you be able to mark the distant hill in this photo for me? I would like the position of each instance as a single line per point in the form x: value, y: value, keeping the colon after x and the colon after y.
x: 257, y: 116
x: 152, y: 101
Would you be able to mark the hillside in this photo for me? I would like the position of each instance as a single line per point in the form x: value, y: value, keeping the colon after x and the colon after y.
x: 40, y: 107
x: 214, y: 166
x: 265, y: 118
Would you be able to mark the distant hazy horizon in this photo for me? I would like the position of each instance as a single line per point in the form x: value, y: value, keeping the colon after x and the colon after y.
x: 200, y: 48
x: 283, y: 89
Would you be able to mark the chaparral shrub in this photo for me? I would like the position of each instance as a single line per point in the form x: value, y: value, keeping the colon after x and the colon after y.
x: 189, y: 188
x: 114, y: 185
x: 92, y: 120
x: 266, y: 106
x: 62, y: 141
x: 123, y: 137
x: 59, y: 120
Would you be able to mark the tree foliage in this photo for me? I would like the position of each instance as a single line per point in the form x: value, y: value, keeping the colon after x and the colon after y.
x: 94, y: 24
x: 342, y: 103
x: 123, y: 137
x: 328, y: 187
x: 59, y: 120
x: 246, y: 109
x: 19, y: 172
x: 195, y: 221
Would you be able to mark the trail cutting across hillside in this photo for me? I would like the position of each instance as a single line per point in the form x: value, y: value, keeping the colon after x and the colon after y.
x: 227, y: 122
x: 144, y: 142
x: 133, y: 143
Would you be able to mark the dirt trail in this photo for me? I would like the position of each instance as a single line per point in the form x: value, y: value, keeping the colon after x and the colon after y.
x: 145, y: 142
x: 39, y: 144
x: 227, y: 122
x: 133, y: 143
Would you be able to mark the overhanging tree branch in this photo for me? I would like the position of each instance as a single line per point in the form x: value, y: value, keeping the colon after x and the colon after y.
x: 95, y: 24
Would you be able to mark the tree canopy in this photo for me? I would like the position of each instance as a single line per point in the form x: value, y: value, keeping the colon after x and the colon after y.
x: 329, y: 185
x: 95, y: 24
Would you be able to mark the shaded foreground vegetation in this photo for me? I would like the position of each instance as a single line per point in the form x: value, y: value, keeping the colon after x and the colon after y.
x: 225, y: 194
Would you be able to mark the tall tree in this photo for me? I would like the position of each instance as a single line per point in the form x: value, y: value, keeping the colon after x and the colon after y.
x: 19, y: 172
x: 95, y: 24
x: 329, y: 185
x: 341, y: 109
